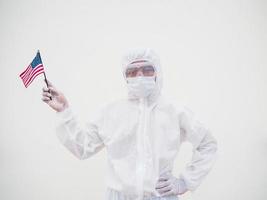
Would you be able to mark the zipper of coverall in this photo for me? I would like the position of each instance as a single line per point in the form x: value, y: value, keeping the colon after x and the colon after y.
x: 143, y: 139
x: 147, y: 111
x: 143, y: 105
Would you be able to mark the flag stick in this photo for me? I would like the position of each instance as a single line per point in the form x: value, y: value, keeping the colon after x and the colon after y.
x: 44, y: 75
x: 47, y: 85
x: 45, y: 80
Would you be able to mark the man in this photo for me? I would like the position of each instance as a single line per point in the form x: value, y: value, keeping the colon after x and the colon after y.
x: 142, y: 134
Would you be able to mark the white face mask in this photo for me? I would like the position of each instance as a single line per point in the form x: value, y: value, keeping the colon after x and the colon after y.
x: 141, y: 86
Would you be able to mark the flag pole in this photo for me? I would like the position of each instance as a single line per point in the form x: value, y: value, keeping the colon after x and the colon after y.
x: 44, y: 74
x: 45, y: 80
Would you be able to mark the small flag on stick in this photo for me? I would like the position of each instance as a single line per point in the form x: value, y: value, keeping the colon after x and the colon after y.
x: 33, y: 70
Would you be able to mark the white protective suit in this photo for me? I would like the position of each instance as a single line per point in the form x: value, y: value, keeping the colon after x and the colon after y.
x: 142, y: 138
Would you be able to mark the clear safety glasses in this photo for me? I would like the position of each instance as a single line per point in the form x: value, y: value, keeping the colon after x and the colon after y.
x: 147, y: 70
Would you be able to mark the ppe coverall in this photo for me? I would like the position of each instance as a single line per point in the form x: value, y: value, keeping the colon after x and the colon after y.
x: 142, y: 137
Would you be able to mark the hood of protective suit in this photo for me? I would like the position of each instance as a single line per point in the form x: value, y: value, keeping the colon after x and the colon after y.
x: 146, y: 54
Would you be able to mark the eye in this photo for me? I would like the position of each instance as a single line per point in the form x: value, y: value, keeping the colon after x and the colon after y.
x: 148, y: 70
x: 131, y: 72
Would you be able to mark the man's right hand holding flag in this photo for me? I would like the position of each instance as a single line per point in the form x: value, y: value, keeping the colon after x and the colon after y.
x: 58, y: 102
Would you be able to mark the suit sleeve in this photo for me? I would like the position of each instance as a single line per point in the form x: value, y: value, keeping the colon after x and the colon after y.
x: 204, y: 149
x: 81, y: 141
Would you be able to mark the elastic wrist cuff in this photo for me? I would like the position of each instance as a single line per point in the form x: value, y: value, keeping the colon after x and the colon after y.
x: 66, y: 114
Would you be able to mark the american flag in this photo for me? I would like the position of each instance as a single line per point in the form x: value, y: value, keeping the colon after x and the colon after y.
x: 33, y: 70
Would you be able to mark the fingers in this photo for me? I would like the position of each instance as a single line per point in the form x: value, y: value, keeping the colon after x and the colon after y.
x: 163, y: 178
x: 51, y: 90
x: 165, y: 189
x: 46, y: 99
x: 162, y: 184
x: 168, y: 193
x: 45, y: 89
x: 47, y: 94
x: 54, y: 91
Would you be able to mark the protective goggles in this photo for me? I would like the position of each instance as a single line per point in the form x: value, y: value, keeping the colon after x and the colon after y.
x: 146, y: 68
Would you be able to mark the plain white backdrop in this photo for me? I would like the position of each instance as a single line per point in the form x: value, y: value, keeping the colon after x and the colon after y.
x: 213, y: 56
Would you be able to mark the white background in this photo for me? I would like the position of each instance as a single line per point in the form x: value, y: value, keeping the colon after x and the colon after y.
x: 213, y: 56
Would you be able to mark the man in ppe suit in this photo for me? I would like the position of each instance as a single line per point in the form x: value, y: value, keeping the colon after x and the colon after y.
x: 142, y: 135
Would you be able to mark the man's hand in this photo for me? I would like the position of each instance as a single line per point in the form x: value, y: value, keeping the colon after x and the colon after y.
x: 58, y: 102
x: 170, y: 185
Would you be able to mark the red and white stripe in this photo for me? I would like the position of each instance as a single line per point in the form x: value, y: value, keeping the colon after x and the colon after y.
x: 30, y: 73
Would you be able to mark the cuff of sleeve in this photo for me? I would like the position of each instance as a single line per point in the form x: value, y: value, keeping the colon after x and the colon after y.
x: 182, y: 186
x: 186, y: 183
x: 66, y: 114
